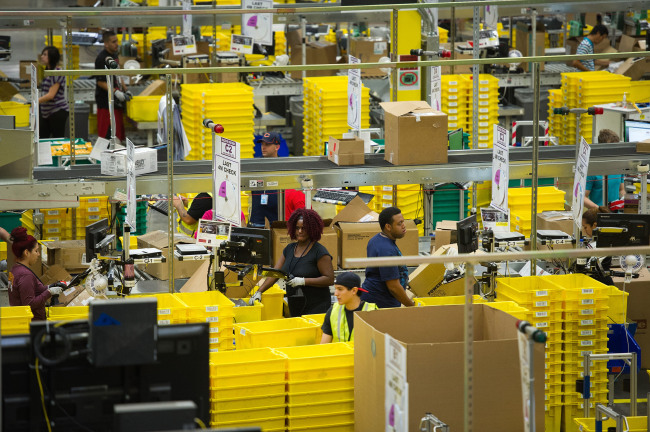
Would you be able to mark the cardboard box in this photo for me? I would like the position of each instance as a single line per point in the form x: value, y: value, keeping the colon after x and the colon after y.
x: 280, y: 239
x: 445, y: 233
x: 316, y: 53
x: 638, y: 311
x: 70, y: 254
x: 634, y: 68
x: 196, y: 61
x: 555, y: 220
x: 416, y: 134
x: 643, y: 146
x: 426, y: 279
x: 433, y: 340
x: 85, y: 297
x: 353, y: 240
x: 158, y: 239
x: 631, y: 44
x: 356, y: 211
x: 25, y: 72
x: 156, y: 88
x: 524, y: 42
x: 114, y: 161
x: 57, y: 273
x: 368, y: 50
x: 346, y: 151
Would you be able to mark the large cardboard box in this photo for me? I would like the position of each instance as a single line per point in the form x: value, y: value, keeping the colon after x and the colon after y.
x: 353, y: 240
x: 445, y: 233
x: 158, y: 239
x: 634, y: 68
x: 156, y: 88
x: 524, y: 42
x: 114, y: 161
x: 638, y: 311
x: 280, y: 239
x: 356, y: 224
x: 433, y: 339
x: 316, y: 53
x: 426, y: 280
x: 369, y: 50
x: 555, y: 220
x: 631, y: 44
x: 416, y: 134
x: 346, y: 151
x: 70, y: 254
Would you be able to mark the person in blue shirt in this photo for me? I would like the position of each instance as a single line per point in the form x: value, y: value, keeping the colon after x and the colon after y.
x: 595, y: 184
x: 264, y: 204
x: 386, y: 286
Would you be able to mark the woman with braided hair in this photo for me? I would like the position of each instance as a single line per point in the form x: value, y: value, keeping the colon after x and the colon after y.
x: 25, y: 288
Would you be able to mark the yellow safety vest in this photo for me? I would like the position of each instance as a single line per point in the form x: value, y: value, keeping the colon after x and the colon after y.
x: 339, y: 322
x: 187, y: 229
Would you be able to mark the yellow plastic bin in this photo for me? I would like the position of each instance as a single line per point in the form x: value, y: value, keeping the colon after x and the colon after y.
x: 143, y: 108
x: 19, y: 110
x: 617, y: 312
x: 15, y: 319
x: 318, y: 362
x: 636, y: 424
x: 170, y: 309
x: 276, y: 333
x: 67, y: 313
x: 206, y: 306
x: 245, y: 314
x: 272, y: 300
x: 316, y: 319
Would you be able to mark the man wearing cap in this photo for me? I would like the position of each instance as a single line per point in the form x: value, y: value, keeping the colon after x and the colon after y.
x: 264, y: 204
x: 386, y: 286
x: 338, y: 325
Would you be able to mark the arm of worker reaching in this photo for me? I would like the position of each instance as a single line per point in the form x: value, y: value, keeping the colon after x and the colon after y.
x: 4, y: 235
x: 399, y: 292
x: 268, y: 282
x: 589, y: 203
x: 326, y: 278
x: 579, y: 65
x: 182, y: 212
x: 327, y: 328
x: 50, y: 94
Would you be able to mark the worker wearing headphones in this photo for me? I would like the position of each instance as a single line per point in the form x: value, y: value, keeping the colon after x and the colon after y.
x: 338, y: 325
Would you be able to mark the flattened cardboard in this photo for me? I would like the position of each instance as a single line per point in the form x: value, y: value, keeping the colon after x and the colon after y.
x: 280, y: 239
x: 356, y: 211
x: 433, y: 338
x: 416, y: 134
x: 634, y: 68
x: 555, y: 220
x: 347, y: 151
x: 631, y: 44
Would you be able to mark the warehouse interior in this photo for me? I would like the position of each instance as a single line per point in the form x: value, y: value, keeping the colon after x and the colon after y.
x: 315, y: 215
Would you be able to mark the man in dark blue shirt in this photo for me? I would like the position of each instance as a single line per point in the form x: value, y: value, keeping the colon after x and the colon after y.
x: 386, y: 286
x: 264, y: 204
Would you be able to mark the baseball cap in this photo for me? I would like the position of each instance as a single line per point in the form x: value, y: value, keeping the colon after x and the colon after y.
x: 271, y: 138
x: 349, y: 280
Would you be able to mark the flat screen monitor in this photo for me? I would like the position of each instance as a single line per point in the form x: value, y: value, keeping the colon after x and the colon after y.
x: 467, y: 235
x: 622, y: 229
x: 257, y: 241
x: 637, y: 131
x: 80, y: 396
x: 95, y: 233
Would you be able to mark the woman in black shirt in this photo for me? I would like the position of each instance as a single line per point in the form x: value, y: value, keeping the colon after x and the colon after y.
x: 308, y: 264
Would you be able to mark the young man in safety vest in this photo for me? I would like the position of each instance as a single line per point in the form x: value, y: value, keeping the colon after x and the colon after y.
x: 188, y: 220
x: 338, y: 325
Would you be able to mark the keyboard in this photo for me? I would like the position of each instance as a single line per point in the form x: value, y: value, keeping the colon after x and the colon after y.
x: 84, y: 38
x: 161, y: 206
x: 340, y: 197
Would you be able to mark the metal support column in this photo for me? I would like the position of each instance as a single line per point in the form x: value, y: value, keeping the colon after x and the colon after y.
x: 213, y: 45
x: 394, y: 57
x: 452, y: 36
x: 476, y: 23
x: 69, y: 86
x: 533, y: 18
x: 170, y: 180
x: 535, y: 163
x: 469, y: 349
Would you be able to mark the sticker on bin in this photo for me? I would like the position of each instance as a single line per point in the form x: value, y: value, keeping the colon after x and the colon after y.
x: 453, y: 104
x: 483, y: 110
x: 454, y: 118
x: 543, y: 314
x: 52, y: 212
x: 53, y: 221
x: 587, y: 311
x: 541, y: 304
x: 452, y: 90
x: 587, y: 343
x: 586, y: 332
x: 483, y: 102
x: 92, y: 209
x: 483, y: 96
x: 214, y: 329
x: 586, y: 322
x: 93, y: 217
x: 164, y: 311
x: 242, y: 332
x: 483, y: 124
x: 582, y: 353
x: 484, y: 81
x: 587, y: 301
x: 212, y: 319
x: 452, y: 97
x: 214, y: 340
x: 93, y: 200
x: 541, y: 324
x: 53, y: 230
x: 587, y: 290
x: 453, y: 83
x: 212, y: 308
x: 541, y: 293
x: 164, y: 322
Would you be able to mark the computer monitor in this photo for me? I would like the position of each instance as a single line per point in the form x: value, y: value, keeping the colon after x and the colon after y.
x: 257, y: 249
x: 96, y: 234
x: 80, y: 396
x: 467, y: 235
x: 622, y: 229
x: 636, y: 131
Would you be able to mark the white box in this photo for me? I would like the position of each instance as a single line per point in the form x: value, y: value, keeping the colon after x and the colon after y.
x: 114, y: 161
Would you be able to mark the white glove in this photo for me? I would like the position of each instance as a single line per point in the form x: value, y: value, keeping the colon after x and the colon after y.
x: 256, y: 297
x: 55, y: 290
x: 296, y: 282
x: 119, y: 95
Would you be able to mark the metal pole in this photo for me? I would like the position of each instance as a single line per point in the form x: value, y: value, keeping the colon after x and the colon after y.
x: 303, y: 29
x: 476, y: 22
x: 531, y: 377
x: 213, y: 47
x: 170, y: 180
x: 452, y: 36
x: 533, y: 16
x: 394, y: 55
x: 469, y: 348
x: 111, y: 111
x: 576, y: 229
x: 586, y: 382
x: 643, y: 204
x: 69, y: 86
x: 633, y: 382
x: 535, y: 163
